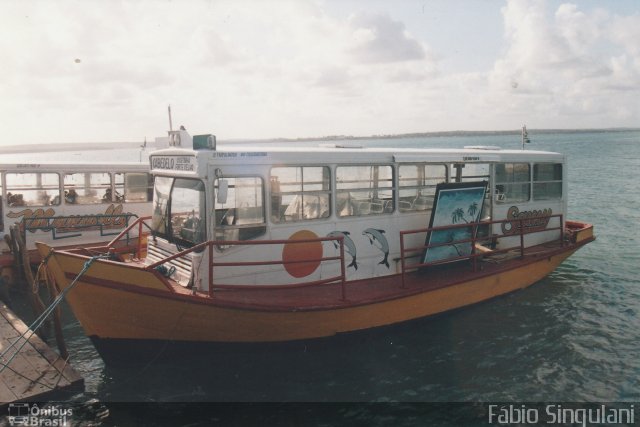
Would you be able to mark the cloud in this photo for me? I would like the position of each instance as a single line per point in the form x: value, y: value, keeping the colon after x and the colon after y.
x: 379, y: 39
x: 212, y: 49
x: 296, y: 68
x: 566, y: 67
x: 581, y: 31
x: 247, y: 69
x: 333, y: 77
x: 625, y: 31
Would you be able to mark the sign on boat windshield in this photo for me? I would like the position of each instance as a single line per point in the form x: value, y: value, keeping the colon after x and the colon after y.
x: 174, y: 163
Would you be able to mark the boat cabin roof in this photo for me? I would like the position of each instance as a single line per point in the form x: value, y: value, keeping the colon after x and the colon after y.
x: 75, y: 167
x: 269, y: 155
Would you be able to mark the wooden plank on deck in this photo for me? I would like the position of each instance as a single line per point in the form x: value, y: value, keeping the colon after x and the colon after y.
x: 36, y: 370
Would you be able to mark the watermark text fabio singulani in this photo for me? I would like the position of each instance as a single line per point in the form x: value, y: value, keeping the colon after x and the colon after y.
x: 561, y: 414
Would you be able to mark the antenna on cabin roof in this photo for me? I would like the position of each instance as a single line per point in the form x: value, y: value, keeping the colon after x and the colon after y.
x: 525, y: 136
x: 142, y: 147
x: 170, y: 123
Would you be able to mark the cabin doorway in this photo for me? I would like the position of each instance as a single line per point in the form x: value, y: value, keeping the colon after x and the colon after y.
x: 179, y: 220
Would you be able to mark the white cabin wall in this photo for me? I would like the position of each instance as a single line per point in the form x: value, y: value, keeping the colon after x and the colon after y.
x: 369, y: 257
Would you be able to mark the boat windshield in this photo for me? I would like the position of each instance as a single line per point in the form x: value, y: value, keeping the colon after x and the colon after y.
x: 161, y: 190
x: 179, y: 210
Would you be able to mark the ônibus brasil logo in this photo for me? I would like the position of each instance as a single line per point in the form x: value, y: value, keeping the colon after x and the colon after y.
x: 30, y: 414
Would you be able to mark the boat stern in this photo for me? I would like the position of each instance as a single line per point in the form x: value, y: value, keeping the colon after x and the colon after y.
x: 579, y: 232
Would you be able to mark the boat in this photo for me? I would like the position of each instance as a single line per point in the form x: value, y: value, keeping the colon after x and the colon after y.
x: 267, y: 246
x: 69, y: 205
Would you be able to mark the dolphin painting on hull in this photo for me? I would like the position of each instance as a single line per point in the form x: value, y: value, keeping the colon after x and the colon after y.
x: 376, y: 238
x: 348, y: 244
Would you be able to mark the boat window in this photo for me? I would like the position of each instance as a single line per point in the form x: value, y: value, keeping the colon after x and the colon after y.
x: 513, y: 182
x: 87, y: 188
x: 469, y: 172
x: 300, y: 193
x: 364, y: 190
x: 161, y: 191
x: 32, y: 189
x: 187, y: 212
x: 132, y: 187
x: 417, y: 185
x: 547, y: 181
x: 474, y: 172
x: 242, y: 215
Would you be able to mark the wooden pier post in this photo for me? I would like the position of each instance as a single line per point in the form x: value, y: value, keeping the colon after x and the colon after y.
x: 45, y: 275
x: 23, y: 255
x: 36, y: 303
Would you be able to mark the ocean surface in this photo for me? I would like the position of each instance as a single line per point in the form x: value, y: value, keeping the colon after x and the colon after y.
x: 572, y: 337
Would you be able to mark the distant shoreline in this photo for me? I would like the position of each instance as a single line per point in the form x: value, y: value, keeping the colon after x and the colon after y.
x: 89, y: 146
x: 446, y: 133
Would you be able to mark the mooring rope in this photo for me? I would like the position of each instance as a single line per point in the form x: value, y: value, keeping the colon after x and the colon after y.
x: 41, y: 319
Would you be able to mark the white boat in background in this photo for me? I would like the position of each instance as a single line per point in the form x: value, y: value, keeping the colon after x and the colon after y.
x: 70, y: 205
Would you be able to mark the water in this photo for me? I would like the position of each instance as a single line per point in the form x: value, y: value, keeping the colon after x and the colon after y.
x: 573, y: 337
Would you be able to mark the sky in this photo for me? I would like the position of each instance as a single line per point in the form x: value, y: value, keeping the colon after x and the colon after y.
x: 102, y: 71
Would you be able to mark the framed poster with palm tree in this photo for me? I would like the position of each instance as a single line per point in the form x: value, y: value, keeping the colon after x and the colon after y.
x: 454, y: 203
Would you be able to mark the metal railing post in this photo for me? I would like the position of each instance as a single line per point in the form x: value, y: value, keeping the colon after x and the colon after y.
x: 210, y: 249
x: 402, y: 263
x: 342, y: 269
x: 521, y: 238
x: 474, y: 231
x: 139, y: 239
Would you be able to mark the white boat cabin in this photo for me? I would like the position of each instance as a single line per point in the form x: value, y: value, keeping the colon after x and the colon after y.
x: 241, y: 197
x: 71, y: 204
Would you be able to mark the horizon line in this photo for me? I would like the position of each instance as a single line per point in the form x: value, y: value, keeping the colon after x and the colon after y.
x: 67, y: 146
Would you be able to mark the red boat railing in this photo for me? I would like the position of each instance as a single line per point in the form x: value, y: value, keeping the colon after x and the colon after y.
x: 140, y: 223
x: 521, y: 231
x: 341, y: 278
x: 520, y: 228
x: 212, y: 263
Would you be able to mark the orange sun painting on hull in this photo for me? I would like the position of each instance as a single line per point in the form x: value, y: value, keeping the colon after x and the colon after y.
x: 293, y: 253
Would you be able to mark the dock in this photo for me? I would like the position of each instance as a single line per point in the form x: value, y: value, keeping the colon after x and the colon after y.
x: 36, y: 372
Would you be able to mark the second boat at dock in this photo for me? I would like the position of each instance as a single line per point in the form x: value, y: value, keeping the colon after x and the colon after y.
x: 68, y: 205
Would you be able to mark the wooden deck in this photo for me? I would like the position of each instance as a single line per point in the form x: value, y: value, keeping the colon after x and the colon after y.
x: 36, y: 372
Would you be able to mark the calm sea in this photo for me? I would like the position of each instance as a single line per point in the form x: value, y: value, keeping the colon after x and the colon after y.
x: 573, y: 337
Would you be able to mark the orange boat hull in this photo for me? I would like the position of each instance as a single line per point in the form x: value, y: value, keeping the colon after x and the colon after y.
x: 116, y: 301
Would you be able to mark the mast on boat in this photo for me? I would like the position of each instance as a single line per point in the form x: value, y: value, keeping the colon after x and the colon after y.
x: 525, y: 136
